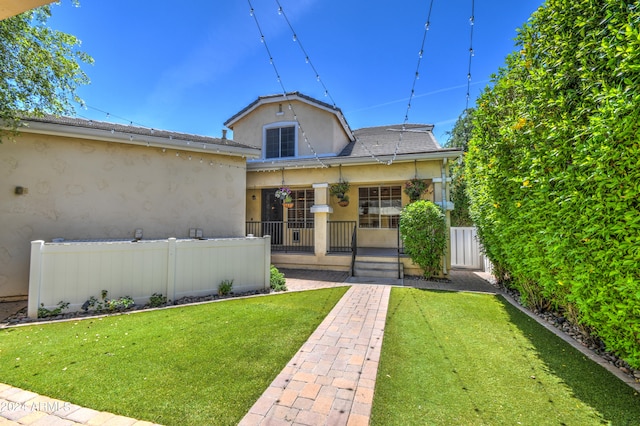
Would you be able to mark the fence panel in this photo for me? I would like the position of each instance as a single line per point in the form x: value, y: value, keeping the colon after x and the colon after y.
x: 73, y: 272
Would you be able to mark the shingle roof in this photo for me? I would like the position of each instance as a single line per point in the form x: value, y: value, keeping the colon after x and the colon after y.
x: 385, y: 140
x: 133, y: 130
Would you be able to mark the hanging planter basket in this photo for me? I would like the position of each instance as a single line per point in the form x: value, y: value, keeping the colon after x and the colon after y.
x: 340, y: 190
x: 287, y: 204
x: 415, y: 187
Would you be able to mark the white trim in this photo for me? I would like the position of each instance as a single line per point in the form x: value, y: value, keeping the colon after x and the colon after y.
x: 321, y: 208
x: 279, y: 125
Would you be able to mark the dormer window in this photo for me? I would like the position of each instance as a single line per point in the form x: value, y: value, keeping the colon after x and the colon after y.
x: 280, y: 142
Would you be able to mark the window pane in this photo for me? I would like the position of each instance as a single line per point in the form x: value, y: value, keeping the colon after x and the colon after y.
x: 272, y: 143
x: 287, y: 142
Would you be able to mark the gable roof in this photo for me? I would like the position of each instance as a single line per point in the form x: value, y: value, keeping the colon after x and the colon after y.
x: 287, y: 98
x: 133, y: 135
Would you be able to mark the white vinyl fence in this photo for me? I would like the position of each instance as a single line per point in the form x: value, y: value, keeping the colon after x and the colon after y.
x: 466, y: 251
x: 74, y: 271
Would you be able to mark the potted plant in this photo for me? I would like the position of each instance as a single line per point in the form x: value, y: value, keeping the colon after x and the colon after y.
x: 415, y: 187
x: 284, y: 195
x: 340, y: 190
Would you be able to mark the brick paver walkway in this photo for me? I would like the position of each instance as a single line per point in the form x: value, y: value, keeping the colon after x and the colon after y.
x: 330, y: 381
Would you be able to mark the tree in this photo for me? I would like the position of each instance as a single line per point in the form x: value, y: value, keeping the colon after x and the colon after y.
x: 459, y: 138
x: 40, y: 68
x: 553, y: 167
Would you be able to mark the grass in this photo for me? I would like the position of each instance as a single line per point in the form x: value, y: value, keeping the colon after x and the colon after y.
x: 473, y: 359
x: 204, y: 364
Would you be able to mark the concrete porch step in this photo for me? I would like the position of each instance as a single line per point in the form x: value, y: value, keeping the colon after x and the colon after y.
x: 378, y: 269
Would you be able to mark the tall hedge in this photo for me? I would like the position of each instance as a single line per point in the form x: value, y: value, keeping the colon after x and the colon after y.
x: 553, y: 167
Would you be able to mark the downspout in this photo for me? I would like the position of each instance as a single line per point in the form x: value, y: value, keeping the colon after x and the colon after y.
x: 444, y: 206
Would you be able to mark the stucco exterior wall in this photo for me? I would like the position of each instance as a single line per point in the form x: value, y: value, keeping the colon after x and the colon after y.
x: 83, y: 189
x: 320, y: 127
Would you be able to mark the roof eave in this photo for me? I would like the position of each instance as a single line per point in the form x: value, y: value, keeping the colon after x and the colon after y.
x: 57, y: 129
x: 350, y: 161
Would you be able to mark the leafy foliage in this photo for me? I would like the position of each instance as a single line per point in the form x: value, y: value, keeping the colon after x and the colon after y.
x: 40, y: 68
x: 108, y: 305
x: 554, y: 165
x: 277, y: 280
x: 225, y: 287
x: 459, y: 138
x: 46, y: 313
x: 415, y: 187
x: 424, y: 233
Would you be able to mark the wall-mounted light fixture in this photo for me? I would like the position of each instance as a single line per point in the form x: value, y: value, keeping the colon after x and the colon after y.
x: 20, y: 190
x: 253, y: 197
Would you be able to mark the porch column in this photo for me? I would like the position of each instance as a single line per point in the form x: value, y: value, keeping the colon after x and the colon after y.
x: 321, y: 211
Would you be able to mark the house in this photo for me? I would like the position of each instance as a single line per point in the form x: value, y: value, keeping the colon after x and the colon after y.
x: 73, y: 179
x: 69, y: 179
x: 307, y: 145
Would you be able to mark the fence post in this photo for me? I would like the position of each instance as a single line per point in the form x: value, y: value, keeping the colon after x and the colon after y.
x: 171, y: 270
x: 35, y: 278
x: 267, y: 261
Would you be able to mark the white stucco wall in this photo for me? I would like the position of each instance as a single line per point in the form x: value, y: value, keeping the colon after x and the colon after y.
x: 83, y: 189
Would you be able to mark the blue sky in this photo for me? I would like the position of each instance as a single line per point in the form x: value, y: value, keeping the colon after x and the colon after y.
x: 189, y: 66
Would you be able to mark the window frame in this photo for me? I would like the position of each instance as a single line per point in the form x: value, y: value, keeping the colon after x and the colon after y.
x: 394, y: 200
x: 280, y: 125
x: 299, y: 216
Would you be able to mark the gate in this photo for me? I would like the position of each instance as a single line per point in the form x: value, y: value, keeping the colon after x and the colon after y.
x: 466, y: 251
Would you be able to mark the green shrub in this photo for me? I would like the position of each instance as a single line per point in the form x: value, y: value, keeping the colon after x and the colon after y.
x: 424, y: 234
x: 553, y: 167
x: 157, y: 300
x: 225, y: 287
x: 46, y: 313
x: 108, y: 305
x: 277, y: 280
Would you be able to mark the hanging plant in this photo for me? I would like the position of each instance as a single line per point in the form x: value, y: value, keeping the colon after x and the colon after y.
x: 415, y: 187
x: 284, y: 195
x: 340, y: 190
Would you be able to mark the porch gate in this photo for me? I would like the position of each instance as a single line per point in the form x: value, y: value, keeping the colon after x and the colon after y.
x: 466, y: 251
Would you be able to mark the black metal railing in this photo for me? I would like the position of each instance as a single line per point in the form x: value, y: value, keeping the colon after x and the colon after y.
x: 285, y: 236
x: 340, y: 233
x: 354, y: 250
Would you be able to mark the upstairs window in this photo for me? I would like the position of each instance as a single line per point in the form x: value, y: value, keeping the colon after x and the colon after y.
x: 280, y: 142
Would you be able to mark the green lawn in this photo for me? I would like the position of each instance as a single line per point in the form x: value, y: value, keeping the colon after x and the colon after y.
x: 204, y: 364
x: 474, y: 359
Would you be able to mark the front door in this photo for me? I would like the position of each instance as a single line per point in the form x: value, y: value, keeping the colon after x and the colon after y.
x: 272, y: 216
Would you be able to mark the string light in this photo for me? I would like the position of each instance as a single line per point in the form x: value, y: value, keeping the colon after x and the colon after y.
x: 307, y: 59
x: 285, y: 94
x: 471, y: 53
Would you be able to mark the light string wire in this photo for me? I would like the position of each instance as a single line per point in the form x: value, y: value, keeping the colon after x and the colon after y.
x: 296, y: 39
x: 307, y: 58
x: 471, y: 53
x: 416, y: 77
x: 285, y: 94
